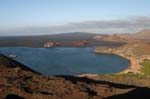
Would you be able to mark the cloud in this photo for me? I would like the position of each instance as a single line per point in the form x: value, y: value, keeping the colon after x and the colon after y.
x: 128, y: 25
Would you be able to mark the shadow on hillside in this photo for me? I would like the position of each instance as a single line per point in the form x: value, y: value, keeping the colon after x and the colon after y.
x: 75, y: 79
x: 13, y: 96
x: 138, y: 93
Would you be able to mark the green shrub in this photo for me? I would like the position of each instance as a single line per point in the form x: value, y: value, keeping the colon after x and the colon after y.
x: 145, y: 67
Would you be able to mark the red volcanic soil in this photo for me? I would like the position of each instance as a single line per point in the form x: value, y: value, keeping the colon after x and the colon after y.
x: 20, y: 82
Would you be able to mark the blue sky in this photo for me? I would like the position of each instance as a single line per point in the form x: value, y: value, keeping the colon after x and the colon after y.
x: 51, y: 13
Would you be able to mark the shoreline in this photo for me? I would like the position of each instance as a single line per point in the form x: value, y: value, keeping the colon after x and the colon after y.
x: 134, y: 63
x: 133, y: 67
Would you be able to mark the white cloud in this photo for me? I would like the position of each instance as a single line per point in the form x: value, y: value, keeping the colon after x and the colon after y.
x: 128, y: 25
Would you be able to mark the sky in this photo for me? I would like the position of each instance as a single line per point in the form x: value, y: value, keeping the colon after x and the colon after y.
x: 40, y: 17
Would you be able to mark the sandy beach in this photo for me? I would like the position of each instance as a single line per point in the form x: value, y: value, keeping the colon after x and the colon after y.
x: 134, y: 65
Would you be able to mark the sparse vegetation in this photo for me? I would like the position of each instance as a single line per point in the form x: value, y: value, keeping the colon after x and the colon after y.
x: 125, y: 75
x: 145, y: 67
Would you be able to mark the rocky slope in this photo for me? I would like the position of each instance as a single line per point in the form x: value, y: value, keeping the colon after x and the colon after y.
x: 118, y: 38
x: 135, y: 49
x: 20, y: 82
x: 144, y: 34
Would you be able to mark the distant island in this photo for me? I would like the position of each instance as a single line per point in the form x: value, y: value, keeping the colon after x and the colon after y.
x: 75, y: 39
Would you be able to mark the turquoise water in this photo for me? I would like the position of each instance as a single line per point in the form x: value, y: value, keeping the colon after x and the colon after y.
x: 67, y: 61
